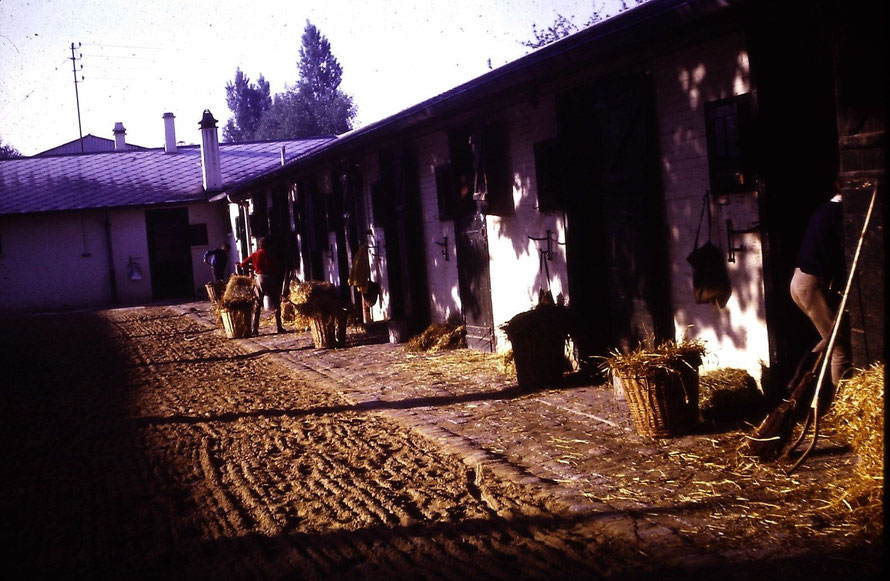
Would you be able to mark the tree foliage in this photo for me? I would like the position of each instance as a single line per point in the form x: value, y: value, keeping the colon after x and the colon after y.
x: 7, y: 151
x: 248, y: 101
x: 314, y: 106
x: 562, y: 26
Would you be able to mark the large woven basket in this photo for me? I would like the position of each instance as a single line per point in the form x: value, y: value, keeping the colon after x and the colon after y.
x: 539, y: 360
x: 237, y: 321
x: 664, y: 402
x: 215, y: 290
x: 324, y: 332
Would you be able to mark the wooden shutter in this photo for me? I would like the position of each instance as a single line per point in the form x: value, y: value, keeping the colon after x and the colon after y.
x: 498, y: 194
x: 728, y: 125
x: 446, y: 192
x: 547, y: 175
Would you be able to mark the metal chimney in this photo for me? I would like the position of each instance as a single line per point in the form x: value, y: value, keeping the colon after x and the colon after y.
x: 169, y: 133
x: 210, y: 152
x: 120, y: 137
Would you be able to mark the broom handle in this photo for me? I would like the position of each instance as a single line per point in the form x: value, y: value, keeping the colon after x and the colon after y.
x: 840, y: 311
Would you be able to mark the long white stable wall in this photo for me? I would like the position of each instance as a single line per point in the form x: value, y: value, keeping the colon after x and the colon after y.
x: 516, y: 271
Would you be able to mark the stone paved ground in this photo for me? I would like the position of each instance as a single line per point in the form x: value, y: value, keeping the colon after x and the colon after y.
x: 140, y: 443
x: 577, y: 447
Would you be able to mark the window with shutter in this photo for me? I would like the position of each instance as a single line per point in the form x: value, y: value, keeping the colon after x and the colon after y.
x: 729, y: 127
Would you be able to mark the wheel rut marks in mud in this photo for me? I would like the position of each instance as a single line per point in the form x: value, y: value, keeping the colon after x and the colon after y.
x: 172, y: 451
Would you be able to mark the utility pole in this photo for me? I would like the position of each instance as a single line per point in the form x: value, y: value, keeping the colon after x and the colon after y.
x: 74, y: 60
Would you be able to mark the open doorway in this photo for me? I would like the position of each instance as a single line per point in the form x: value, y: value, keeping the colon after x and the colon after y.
x: 169, y: 253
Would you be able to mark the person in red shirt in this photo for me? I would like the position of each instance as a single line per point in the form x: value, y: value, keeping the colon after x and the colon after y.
x: 269, y: 278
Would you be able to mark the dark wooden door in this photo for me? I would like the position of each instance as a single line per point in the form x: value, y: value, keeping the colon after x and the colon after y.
x: 397, y: 211
x: 615, y: 225
x: 797, y: 148
x: 474, y: 279
x: 169, y: 253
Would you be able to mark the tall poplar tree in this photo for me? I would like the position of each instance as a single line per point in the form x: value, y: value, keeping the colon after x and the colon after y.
x: 315, y: 105
x: 248, y: 101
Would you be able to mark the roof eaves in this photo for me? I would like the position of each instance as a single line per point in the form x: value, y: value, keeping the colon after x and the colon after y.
x: 230, y: 191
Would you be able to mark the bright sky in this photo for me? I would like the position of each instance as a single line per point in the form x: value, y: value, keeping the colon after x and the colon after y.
x: 141, y: 59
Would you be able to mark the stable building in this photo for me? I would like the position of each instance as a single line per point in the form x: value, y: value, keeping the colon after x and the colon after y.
x: 126, y: 226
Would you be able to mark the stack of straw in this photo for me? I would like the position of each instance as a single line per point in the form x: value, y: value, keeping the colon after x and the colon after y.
x: 316, y: 300
x: 239, y: 292
x: 857, y: 415
x: 440, y: 336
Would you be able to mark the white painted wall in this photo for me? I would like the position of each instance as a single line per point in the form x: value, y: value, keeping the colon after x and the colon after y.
x: 381, y: 310
x: 60, y: 261
x: 218, y: 231
x: 432, y: 151
x: 737, y: 335
x: 517, y: 273
x: 515, y: 265
x: 53, y: 261
x: 130, y: 241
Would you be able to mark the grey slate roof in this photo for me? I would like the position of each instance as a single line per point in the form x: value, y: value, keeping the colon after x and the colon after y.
x: 91, y: 144
x: 134, y: 177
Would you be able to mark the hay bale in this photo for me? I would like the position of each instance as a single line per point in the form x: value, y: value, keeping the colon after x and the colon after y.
x: 728, y: 395
x: 857, y: 416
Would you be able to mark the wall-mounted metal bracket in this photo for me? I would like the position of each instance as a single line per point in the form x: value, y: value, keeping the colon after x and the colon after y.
x: 548, y: 251
x: 730, y: 239
x: 444, y: 246
x: 372, y: 243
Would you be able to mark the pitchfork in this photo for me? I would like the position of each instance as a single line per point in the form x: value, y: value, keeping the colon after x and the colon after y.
x: 813, y: 415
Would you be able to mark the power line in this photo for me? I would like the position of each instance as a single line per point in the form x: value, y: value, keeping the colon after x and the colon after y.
x: 124, y: 46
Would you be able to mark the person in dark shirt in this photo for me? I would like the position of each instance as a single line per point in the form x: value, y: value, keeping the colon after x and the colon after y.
x: 818, y: 275
x: 218, y: 259
x: 269, y: 279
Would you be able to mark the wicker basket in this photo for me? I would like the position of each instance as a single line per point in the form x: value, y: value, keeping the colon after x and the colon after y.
x: 663, y: 403
x: 237, y: 321
x: 215, y: 290
x: 324, y: 332
x: 539, y: 360
x: 538, y: 339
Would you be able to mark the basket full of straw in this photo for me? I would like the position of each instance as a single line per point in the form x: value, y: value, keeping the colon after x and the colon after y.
x: 661, y: 386
x: 215, y: 290
x: 538, y: 338
x: 320, y: 303
x: 236, y: 307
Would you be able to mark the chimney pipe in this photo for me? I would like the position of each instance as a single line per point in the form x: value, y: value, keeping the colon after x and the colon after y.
x: 210, y: 152
x: 169, y: 133
x: 120, y: 137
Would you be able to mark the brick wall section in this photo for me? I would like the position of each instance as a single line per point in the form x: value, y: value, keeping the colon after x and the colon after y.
x: 516, y: 273
x: 516, y: 269
x: 432, y: 151
x: 736, y: 336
